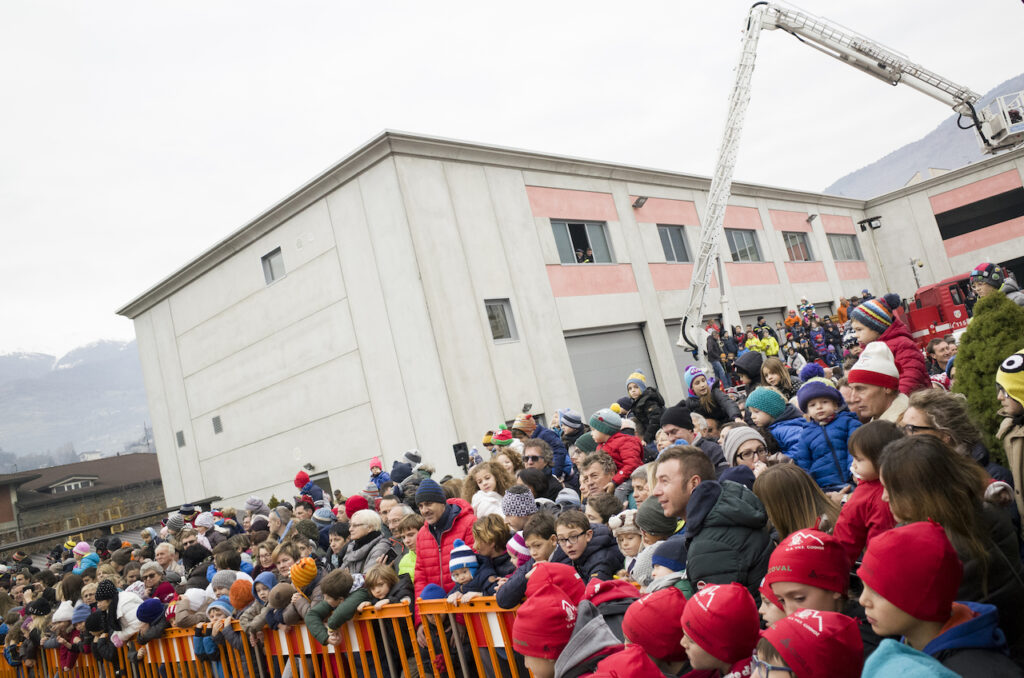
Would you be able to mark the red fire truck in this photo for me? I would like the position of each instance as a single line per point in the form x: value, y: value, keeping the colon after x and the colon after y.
x: 940, y: 309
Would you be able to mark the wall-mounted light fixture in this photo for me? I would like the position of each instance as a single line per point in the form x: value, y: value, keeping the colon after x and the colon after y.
x: 639, y: 202
x: 874, y: 223
x: 811, y: 218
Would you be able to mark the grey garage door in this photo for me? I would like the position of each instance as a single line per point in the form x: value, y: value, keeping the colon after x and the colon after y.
x: 683, y: 357
x: 771, y: 316
x: 603, y: 361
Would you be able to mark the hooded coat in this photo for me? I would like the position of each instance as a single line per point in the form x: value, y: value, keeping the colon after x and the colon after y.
x: 434, y: 545
x: 788, y: 428
x: 725, y: 536
x: 909, y: 359
x: 1012, y: 291
x: 626, y: 451
x: 560, y: 463
x: 974, y: 645
x: 648, y: 409
x: 823, y: 453
x: 602, y: 557
x: 590, y: 642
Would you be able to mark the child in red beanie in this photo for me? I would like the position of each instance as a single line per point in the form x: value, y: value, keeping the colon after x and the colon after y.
x: 811, y: 644
x: 720, y: 631
x: 911, y: 575
x: 545, y: 621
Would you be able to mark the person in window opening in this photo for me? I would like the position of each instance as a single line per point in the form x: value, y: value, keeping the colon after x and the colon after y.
x: 590, y: 256
x: 580, y: 259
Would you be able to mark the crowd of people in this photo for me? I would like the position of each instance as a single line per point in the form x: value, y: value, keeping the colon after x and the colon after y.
x: 816, y: 519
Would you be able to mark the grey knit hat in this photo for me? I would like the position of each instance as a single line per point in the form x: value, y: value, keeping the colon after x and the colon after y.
x: 518, y: 501
x: 175, y: 523
x: 652, y: 519
x: 735, y: 437
x: 223, y: 579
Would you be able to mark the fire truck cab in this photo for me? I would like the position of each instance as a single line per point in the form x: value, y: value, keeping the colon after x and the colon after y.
x: 939, y: 310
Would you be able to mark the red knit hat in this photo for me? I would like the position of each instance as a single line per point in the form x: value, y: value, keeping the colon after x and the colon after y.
x: 810, y: 557
x: 301, y: 478
x: 356, y: 502
x: 875, y: 367
x: 544, y: 622
x: 648, y: 624
x: 164, y: 592
x: 818, y: 644
x: 561, y: 575
x: 915, y: 568
x: 240, y: 594
x: 376, y: 463
x: 723, y: 621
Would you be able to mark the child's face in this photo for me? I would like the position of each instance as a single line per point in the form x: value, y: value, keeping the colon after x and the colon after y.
x: 598, y: 436
x: 759, y: 418
x: 337, y: 543
x: 573, y: 540
x: 629, y: 544
x: 462, y: 575
x: 221, y: 591
x: 744, y: 379
x: 771, y: 378
x: 700, y: 385
x: 215, y: 614
x: 332, y: 601
x: 540, y: 667
x: 770, y: 612
x: 795, y: 596
x: 660, y: 571
x: 80, y: 627
x: 375, y: 471
x: 700, y: 659
x: 1008, y: 407
x: 262, y: 592
x: 485, y: 481
x: 641, y: 490
x: 821, y: 409
x: 409, y: 539
x: 540, y: 548
x: 305, y: 550
x: 131, y: 577
x: 634, y: 391
x: 862, y: 468
x: 87, y: 579
x: 380, y: 589
x: 885, y: 618
x: 592, y: 515
x: 662, y: 441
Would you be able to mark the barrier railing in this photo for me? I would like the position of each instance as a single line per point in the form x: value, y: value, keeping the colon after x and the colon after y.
x: 472, y: 638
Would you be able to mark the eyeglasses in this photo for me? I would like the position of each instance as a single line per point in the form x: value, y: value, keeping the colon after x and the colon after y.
x: 762, y: 668
x: 532, y: 457
x: 911, y: 429
x: 750, y: 454
x: 151, y: 575
x: 570, y: 540
x: 191, y: 542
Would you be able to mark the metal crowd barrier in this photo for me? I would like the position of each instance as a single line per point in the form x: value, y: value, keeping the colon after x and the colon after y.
x: 469, y: 639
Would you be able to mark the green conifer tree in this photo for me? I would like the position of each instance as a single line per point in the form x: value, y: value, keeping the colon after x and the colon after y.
x: 274, y: 501
x: 995, y: 331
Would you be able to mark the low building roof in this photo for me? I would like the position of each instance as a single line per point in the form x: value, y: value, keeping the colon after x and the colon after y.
x: 111, y: 474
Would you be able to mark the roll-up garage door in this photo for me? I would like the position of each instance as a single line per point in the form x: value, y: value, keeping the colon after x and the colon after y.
x: 771, y: 316
x: 683, y: 357
x: 603, y: 360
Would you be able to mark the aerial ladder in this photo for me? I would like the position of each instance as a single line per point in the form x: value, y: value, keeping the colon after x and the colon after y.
x: 999, y: 126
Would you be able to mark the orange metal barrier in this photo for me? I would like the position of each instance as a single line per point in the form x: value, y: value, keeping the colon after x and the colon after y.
x: 465, y: 639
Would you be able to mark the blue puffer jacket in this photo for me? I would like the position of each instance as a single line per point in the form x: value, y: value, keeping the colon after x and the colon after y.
x: 561, y: 465
x: 823, y: 451
x: 91, y: 559
x: 787, y: 429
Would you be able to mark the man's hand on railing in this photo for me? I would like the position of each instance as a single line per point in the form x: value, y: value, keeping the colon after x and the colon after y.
x: 334, y: 638
x: 421, y: 635
x: 255, y: 638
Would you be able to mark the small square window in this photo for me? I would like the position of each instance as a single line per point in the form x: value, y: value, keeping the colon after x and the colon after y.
x: 798, y: 247
x: 673, y: 242
x: 217, y: 427
x: 180, y: 436
x: 499, y: 316
x: 273, y: 266
x: 844, y: 247
x: 743, y: 244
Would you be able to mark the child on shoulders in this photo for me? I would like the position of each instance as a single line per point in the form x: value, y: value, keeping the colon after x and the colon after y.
x: 647, y: 406
x: 484, y: 487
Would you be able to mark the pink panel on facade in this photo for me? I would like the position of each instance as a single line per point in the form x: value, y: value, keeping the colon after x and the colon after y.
x: 743, y: 275
x: 985, y: 237
x: 805, y: 271
x: 585, y: 279
x: 783, y: 220
x: 852, y: 270
x: 665, y: 211
x: 833, y: 223
x: 667, y: 277
x: 559, y: 203
x: 742, y: 217
x: 965, y: 195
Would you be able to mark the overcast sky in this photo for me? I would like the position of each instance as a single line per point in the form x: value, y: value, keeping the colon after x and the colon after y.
x: 134, y: 135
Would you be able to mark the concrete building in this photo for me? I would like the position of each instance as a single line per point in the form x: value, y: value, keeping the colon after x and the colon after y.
x: 422, y: 290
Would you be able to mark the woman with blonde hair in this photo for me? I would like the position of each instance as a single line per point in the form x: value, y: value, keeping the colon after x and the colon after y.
x: 794, y: 501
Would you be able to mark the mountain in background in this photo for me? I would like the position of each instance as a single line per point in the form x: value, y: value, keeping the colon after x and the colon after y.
x: 945, y: 148
x: 91, y: 399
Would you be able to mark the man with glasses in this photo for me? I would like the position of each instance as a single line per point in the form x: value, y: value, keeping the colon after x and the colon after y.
x: 744, y: 447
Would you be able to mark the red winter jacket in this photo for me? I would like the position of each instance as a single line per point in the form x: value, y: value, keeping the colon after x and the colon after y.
x: 864, y: 516
x: 909, y: 358
x: 432, y: 555
x: 628, y: 453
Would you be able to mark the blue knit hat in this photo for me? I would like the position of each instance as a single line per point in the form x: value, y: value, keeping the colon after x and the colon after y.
x: 638, y: 378
x: 810, y: 371
x: 817, y: 388
x: 671, y: 553
x: 429, y: 491
x: 570, y: 418
x: 768, y: 400
x: 223, y: 603
x: 606, y: 422
x: 80, y: 613
x: 690, y: 374
x: 432, y: 592
x: 149, y: 611
x: 462, y: 557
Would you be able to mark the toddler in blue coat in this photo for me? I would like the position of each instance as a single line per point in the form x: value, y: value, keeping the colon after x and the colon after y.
x: 823, y: 450
x: 769, y: 411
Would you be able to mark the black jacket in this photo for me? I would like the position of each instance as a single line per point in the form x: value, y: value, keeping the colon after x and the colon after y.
x: 724, y: 409
x: 601, y: 558
x: 648, y: 409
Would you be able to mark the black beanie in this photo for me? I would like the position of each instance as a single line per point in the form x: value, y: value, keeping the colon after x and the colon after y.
x: 106, y: 590
x: 94, y: 623
x: 429, y: 491
x: 677, y: 416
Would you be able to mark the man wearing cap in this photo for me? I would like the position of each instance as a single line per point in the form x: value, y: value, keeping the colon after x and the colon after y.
x: 445, y: 521
x: 874, y: 385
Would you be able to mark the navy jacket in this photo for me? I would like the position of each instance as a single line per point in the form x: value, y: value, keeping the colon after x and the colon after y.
x: 787, y: 429
x: 560, y: 462
x: 513, y: 591
x: 976, y: 647
x: 601, y: 558
x: 823, y: 453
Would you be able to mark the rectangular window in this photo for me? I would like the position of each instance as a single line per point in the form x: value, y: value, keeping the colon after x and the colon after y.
x: 798, y: 247
x: 743, y: 244
x: 499, y: 316
x: 217, y: 426
x: 273, y: 266
x: 673, y: 241
x: 844, y: 247
x: 581, y: 242
x: 180, y: 437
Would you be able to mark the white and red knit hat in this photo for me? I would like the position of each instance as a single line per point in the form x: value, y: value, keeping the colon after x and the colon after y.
x: 875, y: 367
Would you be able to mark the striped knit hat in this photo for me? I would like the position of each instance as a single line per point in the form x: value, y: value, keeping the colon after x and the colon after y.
x: 638, y: 378
x: 874, y: 314
x: 502, y: 437
x: 516, y: 546
x: 462, y: 557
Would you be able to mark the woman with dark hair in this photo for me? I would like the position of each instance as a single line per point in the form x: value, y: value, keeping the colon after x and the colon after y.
x: 925, y: 479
